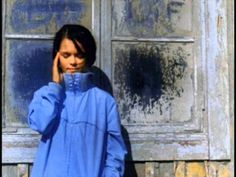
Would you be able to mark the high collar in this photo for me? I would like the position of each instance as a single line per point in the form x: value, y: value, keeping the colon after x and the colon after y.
x: 78, y: 82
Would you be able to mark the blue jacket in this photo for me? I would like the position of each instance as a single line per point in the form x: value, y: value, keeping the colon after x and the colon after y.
x: 80, y: 127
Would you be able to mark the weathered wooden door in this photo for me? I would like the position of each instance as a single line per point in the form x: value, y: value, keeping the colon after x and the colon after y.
x: 170, y: 82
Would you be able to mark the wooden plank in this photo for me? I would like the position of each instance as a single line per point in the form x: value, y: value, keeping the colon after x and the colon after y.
x: 168, y: 149
x: 195, y: 169
x: 19, y: 148
x: 9, y: 170
x: 211, y: 169
x: 166, y: 169
x: 179, y: 169
x: 22, y: 170
x: 140, y: 169
x: 151, y: 169
x: 224, y: 171
x: 219, y: 169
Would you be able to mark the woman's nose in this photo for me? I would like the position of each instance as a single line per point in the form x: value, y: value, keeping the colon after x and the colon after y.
x: 73, y: 59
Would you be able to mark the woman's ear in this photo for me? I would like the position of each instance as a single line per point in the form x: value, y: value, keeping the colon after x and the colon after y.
x: 60, y: 69
x: 59, y: 66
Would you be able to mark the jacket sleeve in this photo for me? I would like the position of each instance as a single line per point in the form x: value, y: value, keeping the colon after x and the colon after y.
x: 44, y: 107
x: 116, y: 149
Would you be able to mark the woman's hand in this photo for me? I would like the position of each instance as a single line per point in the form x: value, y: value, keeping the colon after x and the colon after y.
x: 56, y: 74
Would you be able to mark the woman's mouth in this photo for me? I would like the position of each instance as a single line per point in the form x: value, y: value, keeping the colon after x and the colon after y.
x: 73, y: 69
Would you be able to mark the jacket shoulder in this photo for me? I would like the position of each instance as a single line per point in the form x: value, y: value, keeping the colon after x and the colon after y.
x: 104, y: 95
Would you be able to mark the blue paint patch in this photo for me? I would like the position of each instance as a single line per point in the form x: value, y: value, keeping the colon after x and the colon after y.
x: 32, y: 14
x: 29, y: 68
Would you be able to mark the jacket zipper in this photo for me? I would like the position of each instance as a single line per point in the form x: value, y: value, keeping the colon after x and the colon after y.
x: 73, y: 81
x: 73, y: 109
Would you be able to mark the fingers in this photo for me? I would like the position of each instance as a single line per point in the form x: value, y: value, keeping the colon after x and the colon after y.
x: 56, y: 75
x: 61, y: 77
x: 55, y: 62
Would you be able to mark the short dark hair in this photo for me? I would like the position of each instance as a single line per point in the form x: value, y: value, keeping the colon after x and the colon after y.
x: 77, y: 33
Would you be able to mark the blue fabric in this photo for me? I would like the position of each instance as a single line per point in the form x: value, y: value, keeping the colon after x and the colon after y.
x: 80, y: 127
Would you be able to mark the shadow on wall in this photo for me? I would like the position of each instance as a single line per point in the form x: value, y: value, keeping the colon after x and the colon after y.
x: 102, y: 81
x: 130, y: 170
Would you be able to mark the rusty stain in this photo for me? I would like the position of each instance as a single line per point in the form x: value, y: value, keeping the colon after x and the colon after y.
x: 189, y: 143
x: 219, y: 22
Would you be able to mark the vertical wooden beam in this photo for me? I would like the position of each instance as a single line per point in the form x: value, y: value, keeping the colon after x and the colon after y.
x: 231, y: 55
x: 96, y: 22
x: 218, y: 81
x: 106, y: 58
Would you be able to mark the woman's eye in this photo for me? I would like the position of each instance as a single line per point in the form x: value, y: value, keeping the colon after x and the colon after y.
x: 80, y: 55
x: 66, y: 55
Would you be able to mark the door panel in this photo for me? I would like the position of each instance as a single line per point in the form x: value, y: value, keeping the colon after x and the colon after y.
x: 151, y: 79
x: 159, y: 75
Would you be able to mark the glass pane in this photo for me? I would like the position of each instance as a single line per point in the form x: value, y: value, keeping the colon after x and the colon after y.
x: 28, y: 67
x: 152, y: 79
x: 44, y: 17
x: 153, y: 18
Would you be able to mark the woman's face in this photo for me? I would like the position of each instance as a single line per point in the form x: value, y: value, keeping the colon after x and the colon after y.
x: 71, y: 60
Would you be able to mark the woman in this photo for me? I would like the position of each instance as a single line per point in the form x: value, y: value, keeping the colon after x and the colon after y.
x: 79, y: 123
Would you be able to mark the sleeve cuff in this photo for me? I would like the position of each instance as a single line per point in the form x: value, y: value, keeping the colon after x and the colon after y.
x: 55, y: 88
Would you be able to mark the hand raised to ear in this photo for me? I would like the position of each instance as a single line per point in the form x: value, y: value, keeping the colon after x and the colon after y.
x: 56, y: 74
